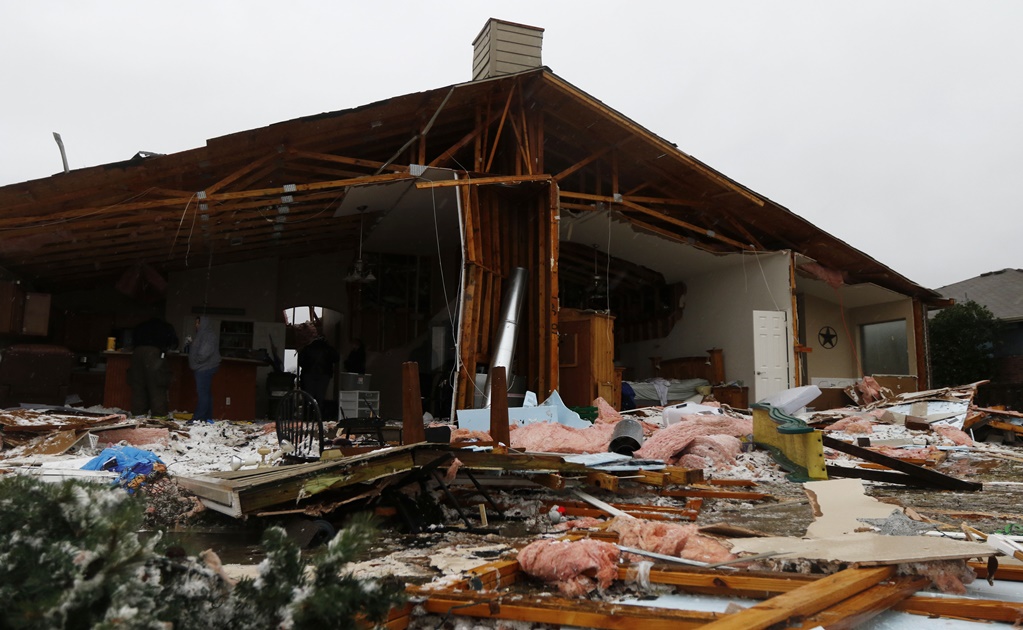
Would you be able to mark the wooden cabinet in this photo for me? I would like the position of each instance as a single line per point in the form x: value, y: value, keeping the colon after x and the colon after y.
x: 586, y: 367
x: 733, y: 396
x: 23, y: 313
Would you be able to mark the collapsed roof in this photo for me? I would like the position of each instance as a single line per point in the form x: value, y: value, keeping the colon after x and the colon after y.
x: 273, y: 191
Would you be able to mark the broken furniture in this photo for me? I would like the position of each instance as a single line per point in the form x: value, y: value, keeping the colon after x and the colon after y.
x: 796, y: 446
x: 735, y: 396
x: 357, y: 413
x: 35, y: 373
x: 234, y: 385
x: 299, y: 427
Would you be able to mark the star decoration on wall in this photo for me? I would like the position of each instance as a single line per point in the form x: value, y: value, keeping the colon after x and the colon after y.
x: 827, y: 337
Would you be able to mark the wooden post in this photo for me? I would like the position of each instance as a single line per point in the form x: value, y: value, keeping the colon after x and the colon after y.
x: 412, y: 431
x: 499, y: 431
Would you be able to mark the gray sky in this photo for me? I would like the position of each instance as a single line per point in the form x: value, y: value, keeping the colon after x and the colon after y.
x: 896, y: 126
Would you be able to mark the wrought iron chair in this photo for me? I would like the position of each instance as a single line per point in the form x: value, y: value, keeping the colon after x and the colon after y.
x: 300, y: 424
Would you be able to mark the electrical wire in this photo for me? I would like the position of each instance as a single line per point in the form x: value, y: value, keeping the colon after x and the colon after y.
x: 29, y: 226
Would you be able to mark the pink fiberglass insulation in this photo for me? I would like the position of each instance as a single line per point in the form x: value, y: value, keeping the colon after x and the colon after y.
x: 670, y: 539
x: 563, y: 563
x: 553, y: 437
x: 452, y: 471
x: 671, y: 443
x: 853, y: 425
x: 949, y: 576
x: 584, y: 522
x: 711, y: 450
x: 957, y: 437
x: 605, y: 412
x: 467, y: 435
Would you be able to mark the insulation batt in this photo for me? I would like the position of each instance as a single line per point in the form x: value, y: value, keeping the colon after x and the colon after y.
x: 954, y: 435
x: 452, y: 471
x: 853, y: 425
x: 670, y: 443
x: 563, y: 563
x: 605, y: 412
x: 553, y: 437
x: 671, y: 539
x: 705, y: 451
x: 467, y: 435
x: 949, y: 576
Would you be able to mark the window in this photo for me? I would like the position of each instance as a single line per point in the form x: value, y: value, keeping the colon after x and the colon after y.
x: 885, y: 349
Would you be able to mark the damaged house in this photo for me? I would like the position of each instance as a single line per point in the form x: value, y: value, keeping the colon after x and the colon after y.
x: 407, y: 220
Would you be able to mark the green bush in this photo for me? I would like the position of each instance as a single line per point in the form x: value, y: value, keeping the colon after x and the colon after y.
x: 71, y: 558
x: 961, y: 341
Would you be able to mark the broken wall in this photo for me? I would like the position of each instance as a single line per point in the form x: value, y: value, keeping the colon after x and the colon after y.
x: 719, y: 314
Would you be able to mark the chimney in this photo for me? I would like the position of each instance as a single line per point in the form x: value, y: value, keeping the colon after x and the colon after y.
x: 505, y: 48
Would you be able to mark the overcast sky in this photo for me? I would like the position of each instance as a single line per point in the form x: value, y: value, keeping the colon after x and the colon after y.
x: 897, y: 126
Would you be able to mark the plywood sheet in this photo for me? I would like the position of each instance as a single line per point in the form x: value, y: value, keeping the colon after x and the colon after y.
x: 865, y: 548
x: 837, y: 506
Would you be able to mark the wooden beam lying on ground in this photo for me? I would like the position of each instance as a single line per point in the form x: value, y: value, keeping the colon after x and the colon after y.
x: 805, y: 600
x: 559, y: 611
x: 921, y: 475
x: 872, y: 593
x: 716, y: 494
x: 860, y: 608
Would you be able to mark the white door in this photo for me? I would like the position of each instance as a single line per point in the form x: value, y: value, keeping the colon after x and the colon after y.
x: 770, y: 353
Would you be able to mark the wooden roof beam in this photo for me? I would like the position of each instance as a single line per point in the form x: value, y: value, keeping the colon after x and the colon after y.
x: 589, y: 159
x: 340, y: 159
x: 659, y: 215
x: 653, y: 140
x: 500, y: 127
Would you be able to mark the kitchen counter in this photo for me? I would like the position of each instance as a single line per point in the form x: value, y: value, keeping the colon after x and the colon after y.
x: 234, y: 385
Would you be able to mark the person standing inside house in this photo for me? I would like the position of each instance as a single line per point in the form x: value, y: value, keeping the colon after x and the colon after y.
x: 317, y: 360
x: 204, y: 359
x: 149, y: 374
x: 355, y: 362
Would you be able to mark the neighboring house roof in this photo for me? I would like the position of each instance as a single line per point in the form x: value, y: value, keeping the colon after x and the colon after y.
x: 1000, y: 291
x: 77, y: 226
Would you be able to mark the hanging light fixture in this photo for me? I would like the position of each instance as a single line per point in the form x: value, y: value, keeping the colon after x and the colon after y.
x: 360, y: 272
x: 597, y: 290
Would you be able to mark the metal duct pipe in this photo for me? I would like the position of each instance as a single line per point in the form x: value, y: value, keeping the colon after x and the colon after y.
x: 504, y: 343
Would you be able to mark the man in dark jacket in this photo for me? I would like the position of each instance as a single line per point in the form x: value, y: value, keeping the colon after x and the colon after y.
x: 316, y: 361
x: 149, y: 374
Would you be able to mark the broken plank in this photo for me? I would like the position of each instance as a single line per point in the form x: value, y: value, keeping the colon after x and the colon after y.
x: 1005, y: 426
x: 747, y: 483
x: 887, y: 476
x: 932, y: 477
x: 860, y: 608
x: 565, y: 612
x: 750, y: 584
x: 683, y: 476
x: 604, y: 481
x: 805, y: 600
x: 716, y: 494
x: 963, y: 608
x: 55, y: 444
x: 1007, y: 572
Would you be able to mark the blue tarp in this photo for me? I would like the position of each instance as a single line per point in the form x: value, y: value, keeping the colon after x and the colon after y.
x: 135, y: 465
